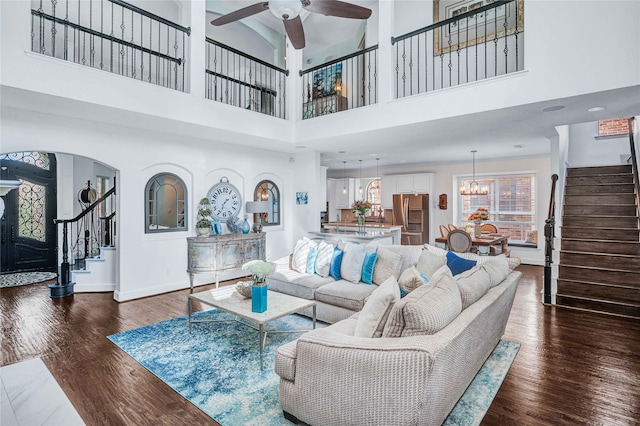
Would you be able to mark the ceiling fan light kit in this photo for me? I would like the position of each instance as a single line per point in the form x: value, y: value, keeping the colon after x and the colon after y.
x: 289, y: 12
x: 285, y: 9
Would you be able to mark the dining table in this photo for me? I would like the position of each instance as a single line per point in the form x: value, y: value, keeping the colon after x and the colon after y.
x: 483, y: 244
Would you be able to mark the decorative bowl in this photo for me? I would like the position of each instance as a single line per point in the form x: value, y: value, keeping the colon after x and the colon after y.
x: 244, y: 289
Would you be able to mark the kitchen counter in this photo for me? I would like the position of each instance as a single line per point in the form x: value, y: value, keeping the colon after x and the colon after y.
x: 371, y: 229
x: 379, y: 236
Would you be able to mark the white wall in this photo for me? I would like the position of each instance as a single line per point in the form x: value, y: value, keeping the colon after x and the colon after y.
x: 156, y: 263
x: 587, y: 151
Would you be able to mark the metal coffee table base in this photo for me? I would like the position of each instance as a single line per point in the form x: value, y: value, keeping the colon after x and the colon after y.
x: 260, y: 323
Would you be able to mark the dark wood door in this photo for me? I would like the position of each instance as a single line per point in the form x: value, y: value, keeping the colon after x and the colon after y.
x: 28, y: 234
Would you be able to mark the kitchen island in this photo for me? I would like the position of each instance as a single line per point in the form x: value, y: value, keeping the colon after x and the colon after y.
x: 332, y: 236
x: 372, y: 230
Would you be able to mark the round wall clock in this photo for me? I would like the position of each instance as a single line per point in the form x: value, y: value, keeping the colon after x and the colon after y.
x: 226, y: 200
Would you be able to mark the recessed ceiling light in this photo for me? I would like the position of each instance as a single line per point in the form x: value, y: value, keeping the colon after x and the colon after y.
x: 341, y: 152
x: 596, y: 109
x: 300, y: 147
x: 373, y: 155
x: 553, y: 108
x: 519, y: 145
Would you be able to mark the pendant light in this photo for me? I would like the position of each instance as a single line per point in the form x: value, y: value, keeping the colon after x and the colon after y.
x: 360, y: 189
x: 344, y: 177
x: 474, y: 188
x: 376, y: 188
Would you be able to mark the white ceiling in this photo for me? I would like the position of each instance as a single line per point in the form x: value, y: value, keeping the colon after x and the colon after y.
x: 320, y: 31
x: 516, y: 132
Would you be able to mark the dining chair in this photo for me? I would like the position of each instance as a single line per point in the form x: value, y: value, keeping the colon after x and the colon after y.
x: 489, y: 227
x: 451, y: 227
x: 459, y: 241
x: 444, y: 231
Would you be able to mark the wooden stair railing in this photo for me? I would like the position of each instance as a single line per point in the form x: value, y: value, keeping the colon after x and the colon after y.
x: 549, y: 235
x: 64, y: 286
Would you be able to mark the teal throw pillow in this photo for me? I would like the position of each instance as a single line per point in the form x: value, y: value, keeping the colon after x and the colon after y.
x: 336, y: 262
x: 458, y: 264
x: 368, y: 266
x: 311, y: 260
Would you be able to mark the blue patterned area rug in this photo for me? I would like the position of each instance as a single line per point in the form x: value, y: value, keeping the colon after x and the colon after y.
x: 217, y: 368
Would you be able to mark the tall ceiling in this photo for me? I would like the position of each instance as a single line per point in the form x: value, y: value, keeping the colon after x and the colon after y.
x: 517, y: 132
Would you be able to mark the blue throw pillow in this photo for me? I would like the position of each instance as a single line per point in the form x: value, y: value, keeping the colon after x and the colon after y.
x: 458, y: 264
x: 367, y: 266
x: 336, y: 262
x: 311, y: 260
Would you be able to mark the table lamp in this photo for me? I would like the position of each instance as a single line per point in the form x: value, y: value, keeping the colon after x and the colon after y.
x: 258, y: 207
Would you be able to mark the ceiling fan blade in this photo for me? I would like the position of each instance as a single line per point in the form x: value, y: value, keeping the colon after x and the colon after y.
x: 337, y: 8
x: 241, y: 13
x: 295, y: 31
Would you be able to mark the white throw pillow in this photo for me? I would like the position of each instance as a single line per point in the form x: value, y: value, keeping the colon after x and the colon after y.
x: 497, y: 267
x: 300, y: 255
x: 374, y: 314
x: 351, y: 268
x: 323, y: 261
x: 410, y: 280
x: 387, y: 265
x: 473, y: 284
x: 429, y: 263
x: 426, y: 310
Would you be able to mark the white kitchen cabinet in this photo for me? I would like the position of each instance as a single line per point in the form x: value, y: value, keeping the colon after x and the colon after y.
x: 388, y: 185
x: 344, y: 200
x: 419, y: 183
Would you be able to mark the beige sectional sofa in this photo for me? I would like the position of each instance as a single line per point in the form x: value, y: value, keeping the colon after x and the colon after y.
x: 433, y: 342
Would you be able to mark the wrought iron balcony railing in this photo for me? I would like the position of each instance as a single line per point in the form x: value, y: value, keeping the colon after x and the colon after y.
x: 344, y: 83
x: 114, y: 36
x: 238, y: 79
x: 482, y: 43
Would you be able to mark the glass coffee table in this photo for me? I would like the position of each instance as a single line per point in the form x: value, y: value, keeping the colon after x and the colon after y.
x: 278, y: 305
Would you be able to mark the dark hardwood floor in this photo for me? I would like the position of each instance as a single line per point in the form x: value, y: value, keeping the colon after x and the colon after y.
x: 574, y: 367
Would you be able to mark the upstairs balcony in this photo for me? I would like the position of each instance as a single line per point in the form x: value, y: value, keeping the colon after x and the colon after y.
x: 165, y: 66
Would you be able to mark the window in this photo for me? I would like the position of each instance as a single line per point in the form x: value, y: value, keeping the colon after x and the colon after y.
x: 510, y: 201
x: 266, y: 190
x: 374, y: 197
x: 165, y: 204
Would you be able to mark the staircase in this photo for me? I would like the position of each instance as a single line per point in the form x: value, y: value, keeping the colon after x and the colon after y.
x: 599, y: 267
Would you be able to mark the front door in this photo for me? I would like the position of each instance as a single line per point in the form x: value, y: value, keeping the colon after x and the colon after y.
x: 27, y: 231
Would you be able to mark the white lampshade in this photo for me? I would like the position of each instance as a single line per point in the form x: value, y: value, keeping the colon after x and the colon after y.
x: 285, y: 9
x: 257, y: 207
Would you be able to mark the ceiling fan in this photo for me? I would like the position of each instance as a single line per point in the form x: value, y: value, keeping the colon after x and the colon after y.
x: 289, y: 12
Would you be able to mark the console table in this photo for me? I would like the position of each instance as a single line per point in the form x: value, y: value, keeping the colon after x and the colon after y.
x: 227, y: 252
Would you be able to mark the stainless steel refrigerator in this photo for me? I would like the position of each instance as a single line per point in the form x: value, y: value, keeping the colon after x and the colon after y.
x: 411, y: 211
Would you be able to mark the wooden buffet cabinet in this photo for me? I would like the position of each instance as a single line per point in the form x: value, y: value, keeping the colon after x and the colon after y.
x: 223, y: 253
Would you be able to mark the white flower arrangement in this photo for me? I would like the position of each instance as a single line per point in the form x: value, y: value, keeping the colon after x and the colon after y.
x: 259, y: 270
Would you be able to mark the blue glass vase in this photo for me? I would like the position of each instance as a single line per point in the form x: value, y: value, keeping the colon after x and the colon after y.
x: 245, y: 226
x: 258, y: 298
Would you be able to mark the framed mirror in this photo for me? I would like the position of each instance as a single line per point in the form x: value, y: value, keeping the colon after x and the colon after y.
x: 266, y: 190
x: 165, y: 204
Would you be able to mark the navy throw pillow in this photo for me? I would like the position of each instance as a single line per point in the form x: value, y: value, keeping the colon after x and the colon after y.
x: 459, y: 264
x: 336, y: 262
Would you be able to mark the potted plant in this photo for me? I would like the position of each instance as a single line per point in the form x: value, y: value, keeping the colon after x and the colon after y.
x: 259, y: 269
x: 203, y: 225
